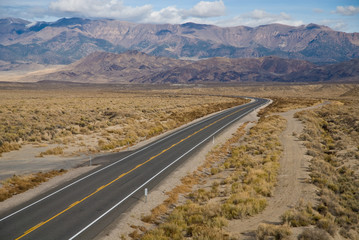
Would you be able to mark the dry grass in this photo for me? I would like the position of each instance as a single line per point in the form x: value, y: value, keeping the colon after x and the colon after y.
x: 19, y: 184
x: 53, y: 151
x: 190, y: 180
x: 248, y: 172
x: 115, y: 117
x: 313, y: 234
x: 239, y: 176
x: 313, y: 91
x: 253, y: 167
x: 268, y: 231
x: 331, y: 136
x: 112, y: 118
x: 284, y: 104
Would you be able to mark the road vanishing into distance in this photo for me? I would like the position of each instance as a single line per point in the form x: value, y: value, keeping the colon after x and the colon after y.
x: 82, y: 208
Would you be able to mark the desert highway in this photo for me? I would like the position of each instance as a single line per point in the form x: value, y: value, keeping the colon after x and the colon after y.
x: 82, y: 208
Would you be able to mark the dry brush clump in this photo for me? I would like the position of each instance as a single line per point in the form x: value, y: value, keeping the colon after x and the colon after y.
x: 19, y: 184
x: 52, y: 151
x: 248, y: 173
x: 116, y: 118
x: 283, y: 104
x: 313, y: 234
x: 269, y: 231
x: 192, y: 179
x: 304, y: 91
x: 331, y: 136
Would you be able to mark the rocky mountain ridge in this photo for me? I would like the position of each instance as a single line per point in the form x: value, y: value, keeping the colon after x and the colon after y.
x: 110, y: 67
x: 137, y: 67
x: 70, y: 39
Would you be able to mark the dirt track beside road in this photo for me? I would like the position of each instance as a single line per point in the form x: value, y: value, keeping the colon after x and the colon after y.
x: 292, y: 181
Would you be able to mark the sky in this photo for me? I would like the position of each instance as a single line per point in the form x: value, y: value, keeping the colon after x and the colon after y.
x: 341, y: 15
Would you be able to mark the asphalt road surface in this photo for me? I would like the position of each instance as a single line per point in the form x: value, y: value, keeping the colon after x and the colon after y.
x: 82, y: 208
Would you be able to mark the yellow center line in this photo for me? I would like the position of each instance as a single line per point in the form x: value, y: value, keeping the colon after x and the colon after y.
x: 124, y: 174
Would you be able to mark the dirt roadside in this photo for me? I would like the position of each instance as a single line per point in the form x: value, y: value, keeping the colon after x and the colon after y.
x: 292, y: 181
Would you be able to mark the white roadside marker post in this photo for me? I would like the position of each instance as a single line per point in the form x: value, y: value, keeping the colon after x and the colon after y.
x: 90, y: 160
x: 146, y: 192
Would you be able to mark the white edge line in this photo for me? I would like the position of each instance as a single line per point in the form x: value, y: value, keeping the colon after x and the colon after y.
x: 120, y: 160
x: 117, y: 204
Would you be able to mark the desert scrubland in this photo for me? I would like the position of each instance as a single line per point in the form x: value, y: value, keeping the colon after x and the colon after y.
x: 331, y: 136
x: 238, y: 179
x: 69, y: 121
x: 95, y: 119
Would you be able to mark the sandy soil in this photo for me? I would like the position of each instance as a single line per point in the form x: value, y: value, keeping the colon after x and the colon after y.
x: 122, y: 226
x: 24, y: 161
x: 29, y: 74
x: 292, y: 182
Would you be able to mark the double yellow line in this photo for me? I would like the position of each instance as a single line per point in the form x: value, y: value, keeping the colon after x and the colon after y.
x: 124, y: 174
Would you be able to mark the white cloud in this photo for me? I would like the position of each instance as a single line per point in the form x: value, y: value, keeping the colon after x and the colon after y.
x: 336, y: 24
x: 116, y: 9
x: 101, y: 8
x: 201, y: 11
x: 260, y: 17
x: 205, y: 9
x: 207, y: 12
x: 347, y: 10
x: 166, y: 15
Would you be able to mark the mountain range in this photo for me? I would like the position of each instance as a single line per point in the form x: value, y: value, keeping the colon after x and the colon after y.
x: 138, y: 67
x: 70, y: 39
